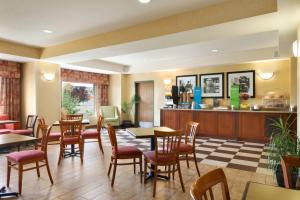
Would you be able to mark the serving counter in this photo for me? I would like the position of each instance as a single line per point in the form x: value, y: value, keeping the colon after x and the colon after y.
x: 243, y: 125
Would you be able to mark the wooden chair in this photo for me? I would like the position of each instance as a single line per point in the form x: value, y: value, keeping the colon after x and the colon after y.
x: 205, y: 183
x: 188, y: 147
x: 74, y: 117
x: 53, y: 136
x: 94, y: 134
x: 29, y: 128
x: 166, y: 154
x: 70, y: 135
x: 287, y: 162
x: 18, y: 159
x: 120, y: 153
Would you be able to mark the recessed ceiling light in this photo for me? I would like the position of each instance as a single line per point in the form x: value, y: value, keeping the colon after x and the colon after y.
x: 215, y: 50
x: 47, y: 31
x: 144, y: 1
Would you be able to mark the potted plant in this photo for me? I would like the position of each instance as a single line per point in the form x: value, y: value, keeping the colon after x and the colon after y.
x: 127, y: 109
x: 283, y: 142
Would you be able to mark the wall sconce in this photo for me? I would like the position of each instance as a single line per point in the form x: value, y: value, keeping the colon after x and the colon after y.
x: 167, y: 81
x: 49, y: 76
x: 296, y: 51
x: 266, y: 75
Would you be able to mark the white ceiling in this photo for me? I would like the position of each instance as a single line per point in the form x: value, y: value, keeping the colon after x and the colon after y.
x: 23, y: 20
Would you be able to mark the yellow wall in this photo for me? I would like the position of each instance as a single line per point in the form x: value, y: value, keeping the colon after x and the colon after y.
x: 281, y: 81
x: 298, y: 85
x: 41, y: 97
x: 114, y: 90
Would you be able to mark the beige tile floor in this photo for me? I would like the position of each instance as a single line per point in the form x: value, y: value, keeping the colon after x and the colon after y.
x: 90, y: 181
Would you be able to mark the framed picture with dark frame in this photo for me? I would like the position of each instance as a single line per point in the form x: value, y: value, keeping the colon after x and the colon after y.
x: 186, y: 83
x: 245, y: 79
x: 212, y: 85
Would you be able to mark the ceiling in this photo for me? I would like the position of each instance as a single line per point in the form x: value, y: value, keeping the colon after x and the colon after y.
x: 24, y: 21
x: 249, y: 39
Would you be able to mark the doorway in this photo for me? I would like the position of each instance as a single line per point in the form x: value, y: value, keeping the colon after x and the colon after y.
x: 144, y: 111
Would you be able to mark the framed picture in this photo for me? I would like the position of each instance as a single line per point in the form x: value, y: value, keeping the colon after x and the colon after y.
x: 245, y: 79
x: 212, y: 85
x: 186, y: 83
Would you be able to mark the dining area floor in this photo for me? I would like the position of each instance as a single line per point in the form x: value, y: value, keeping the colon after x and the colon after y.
x: 73, y: 180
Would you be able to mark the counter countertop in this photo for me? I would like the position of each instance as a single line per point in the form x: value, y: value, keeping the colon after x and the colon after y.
x: 216, y: 110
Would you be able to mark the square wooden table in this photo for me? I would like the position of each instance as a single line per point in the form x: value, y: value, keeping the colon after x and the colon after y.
x: 10, y: 139
x: 8, y: 122
x: 258, y: 191
x: 147, y: 133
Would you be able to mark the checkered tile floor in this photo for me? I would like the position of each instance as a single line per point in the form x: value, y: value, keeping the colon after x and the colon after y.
x: 224, y: 153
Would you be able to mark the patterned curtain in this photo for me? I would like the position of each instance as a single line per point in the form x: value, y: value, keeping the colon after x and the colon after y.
x: 102, y: 94
x: 10, y: 85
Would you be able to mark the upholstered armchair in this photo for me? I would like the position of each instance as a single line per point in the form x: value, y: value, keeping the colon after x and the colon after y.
x: 110, y: 115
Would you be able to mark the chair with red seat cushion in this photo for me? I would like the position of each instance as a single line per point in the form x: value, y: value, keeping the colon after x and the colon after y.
x: 166, y: 154
x: 53, y: 136
x: 94, y: 134
x: 29, y: 128
x: 123, y: 152
x: 17, y: 160
x: 188, y: 147
x: 70, y: 135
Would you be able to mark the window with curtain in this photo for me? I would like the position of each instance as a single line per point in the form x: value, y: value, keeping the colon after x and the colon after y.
x: 10, y: 84
x: 94, y: 85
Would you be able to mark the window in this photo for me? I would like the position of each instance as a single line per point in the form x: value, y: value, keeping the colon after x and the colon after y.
x: 78, y: 98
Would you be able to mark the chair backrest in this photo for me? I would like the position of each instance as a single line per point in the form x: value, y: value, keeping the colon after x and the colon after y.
x: 205, y: 183
x: 30, y: 122
x: 190, y: 132
x: 41, y: 121
x: 99, y: 123
x: 70, y: 128
x: 74, y: 117
x: 45, y: 130
x: 167, y: 143
x: 108, y: 111
x: 112, y: 138
x: 287, y: 162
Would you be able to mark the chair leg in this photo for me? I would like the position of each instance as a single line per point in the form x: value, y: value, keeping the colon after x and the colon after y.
x: 48, y: 170
x: 37, y: 169
x: 141, y: 173
x: 110, y: 164
x: 187, y: 160
x: 145, y: 170
x: 20, y: 172
x: 8, y: 173
x: 196, y: 164
x: 81, y: 151
x: 169, y: 171
x: 173, y: 172
x: 134, y: 163
x: 100, y: 144
x: 114, y: 172
x: 180, y: 176
x: 154, y: 180
x: 60, y: 153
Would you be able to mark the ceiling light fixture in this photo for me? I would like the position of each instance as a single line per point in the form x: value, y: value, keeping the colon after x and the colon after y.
x: 144, y: 1
x: 214, y: 50
x: 47, y: 31
x: 266, y: 75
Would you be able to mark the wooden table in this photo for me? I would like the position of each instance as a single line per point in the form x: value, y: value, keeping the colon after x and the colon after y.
x: 12, y: 139
x: 8, y: 122
x: 149, y: 133
x: 7, y: 140
x: 73, y: 152
x: 258, y: 191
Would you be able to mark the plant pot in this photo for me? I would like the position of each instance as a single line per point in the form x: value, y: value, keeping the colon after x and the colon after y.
x: 280, y: 179
x: 127, y: 123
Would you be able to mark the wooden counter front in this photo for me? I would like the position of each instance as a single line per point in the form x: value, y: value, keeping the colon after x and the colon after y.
x: 237, y: 125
